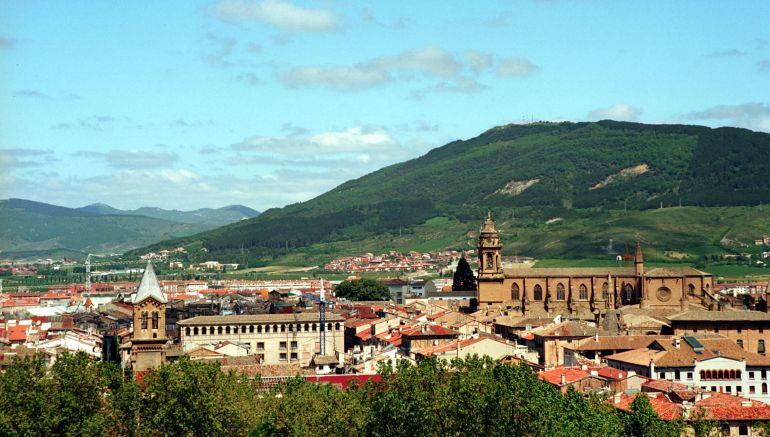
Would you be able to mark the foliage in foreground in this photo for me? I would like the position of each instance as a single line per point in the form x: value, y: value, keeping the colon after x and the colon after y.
x: 79, y: 396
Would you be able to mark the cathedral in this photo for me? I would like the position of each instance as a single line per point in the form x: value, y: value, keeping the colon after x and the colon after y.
x: 583, y: 292
x: 148, y: 342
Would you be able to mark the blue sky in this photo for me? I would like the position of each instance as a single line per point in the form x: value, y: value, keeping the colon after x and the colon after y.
x: 264, y: 103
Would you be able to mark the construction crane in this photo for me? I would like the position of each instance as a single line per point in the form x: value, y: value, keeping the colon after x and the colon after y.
x: 322, y: 318
x: 88, y: 275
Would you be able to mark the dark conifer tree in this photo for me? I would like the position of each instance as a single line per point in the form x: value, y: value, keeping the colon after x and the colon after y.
x: 463, y: 279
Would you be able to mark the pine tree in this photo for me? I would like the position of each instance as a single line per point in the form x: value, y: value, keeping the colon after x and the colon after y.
x: 463, y: 279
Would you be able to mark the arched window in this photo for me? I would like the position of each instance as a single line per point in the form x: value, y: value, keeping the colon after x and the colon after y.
x: 283, y: 328
x: 764, y: 388
x: 329, y: 327
x: 515, y: 291
x: 187, y: 331
x: 259, y: 329
x: 691, y: 289
x: 291, y: 328
x: 605, y: 291
x: 583, y: 292
x: 307, y: 327
x: 144, y: 319
x: 560, y: 291
x: 195, y: 330
x: 315, y: 327
x: 490, y: 260
x: 720, y: 374
x: 154, y: 320
x: 538, y: 292
x: 737, y: 374
x: 227, y: 330
x: 211, y: 331
x: 337, y: 326
x: 275, y: 328
x: 251, y: 329
x: 219, y: 330
x: 628, y: 293
x: 702, y: 374
x: 243, y: 329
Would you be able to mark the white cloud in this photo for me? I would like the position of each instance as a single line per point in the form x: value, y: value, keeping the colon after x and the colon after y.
x: 432, y: 61
x: 20, y: 158
x: 516, y: 67
x: 478, y: 61
x: 620, y: 111
x: 277, y: 13
x: 729, y: 53
x: 349, y: 141
x: 339, y: 78
x: 454, y: 72
x: 133, y: 159
x: 7, y: 43
x: 752, y: 115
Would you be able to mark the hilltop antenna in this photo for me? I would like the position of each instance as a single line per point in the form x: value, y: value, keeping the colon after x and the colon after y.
x: 322, y: 318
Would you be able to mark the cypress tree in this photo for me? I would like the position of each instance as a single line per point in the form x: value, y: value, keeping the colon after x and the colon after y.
x: 463, y: 279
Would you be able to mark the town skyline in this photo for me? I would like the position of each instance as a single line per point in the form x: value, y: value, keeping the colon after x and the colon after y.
x: 270, y: 103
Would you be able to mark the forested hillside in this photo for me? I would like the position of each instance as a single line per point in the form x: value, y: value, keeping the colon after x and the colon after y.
x: 533, y: 172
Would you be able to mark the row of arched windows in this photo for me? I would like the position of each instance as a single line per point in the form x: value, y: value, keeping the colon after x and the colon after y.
x: 560, y: 292
x: 154, y: 319
x: 243, y: 329
x: 720, y: 374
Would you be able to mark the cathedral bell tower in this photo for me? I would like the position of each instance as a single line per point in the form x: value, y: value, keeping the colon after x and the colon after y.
x: 148, y: 342
x: 489, y: 247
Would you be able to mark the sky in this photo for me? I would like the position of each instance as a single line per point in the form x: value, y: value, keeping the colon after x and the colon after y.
x: 190, y: 104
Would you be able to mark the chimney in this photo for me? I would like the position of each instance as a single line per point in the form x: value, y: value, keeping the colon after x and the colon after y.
x: 563, y: 379
x: 677, y: 343
x: 616, y: 398
x: 583, y: 367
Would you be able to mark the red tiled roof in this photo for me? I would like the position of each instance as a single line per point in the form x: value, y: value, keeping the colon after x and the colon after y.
x: 571, y: 375
x: 365, y: 335
x: 665, y: 407
x: 17, y: 333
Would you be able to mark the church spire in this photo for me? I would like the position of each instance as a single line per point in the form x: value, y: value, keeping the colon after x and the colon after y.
x: 639, y: 259
x: 149, y: 287
x: 489, y: 224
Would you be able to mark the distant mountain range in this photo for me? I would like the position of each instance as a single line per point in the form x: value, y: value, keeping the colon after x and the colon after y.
x: 207, y: 217
x: 36, y: 229
x: 553, y: 186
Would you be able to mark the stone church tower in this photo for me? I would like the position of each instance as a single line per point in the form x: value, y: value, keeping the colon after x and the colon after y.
x: 489, y: 247
x: 148, y: 343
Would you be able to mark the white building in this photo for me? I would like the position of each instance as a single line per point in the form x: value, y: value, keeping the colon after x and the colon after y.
x: 273, y: 338
x: 709, y: 362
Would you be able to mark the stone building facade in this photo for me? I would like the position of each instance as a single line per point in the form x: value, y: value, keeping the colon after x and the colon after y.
x: 583, y: 291
x: 273, y: 338
x: 148, y: 340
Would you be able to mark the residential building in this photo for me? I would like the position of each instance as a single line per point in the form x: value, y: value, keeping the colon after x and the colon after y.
x: 272, y: 338
x: 709, y: 362
x: 749, y: 329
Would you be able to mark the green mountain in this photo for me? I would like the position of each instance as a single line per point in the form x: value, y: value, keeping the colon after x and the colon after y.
x: 538, y: 178
x: 34, y: 229
x: 207, y: 217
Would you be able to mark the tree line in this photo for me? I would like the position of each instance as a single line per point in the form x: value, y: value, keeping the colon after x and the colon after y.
x: 475, y: 396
